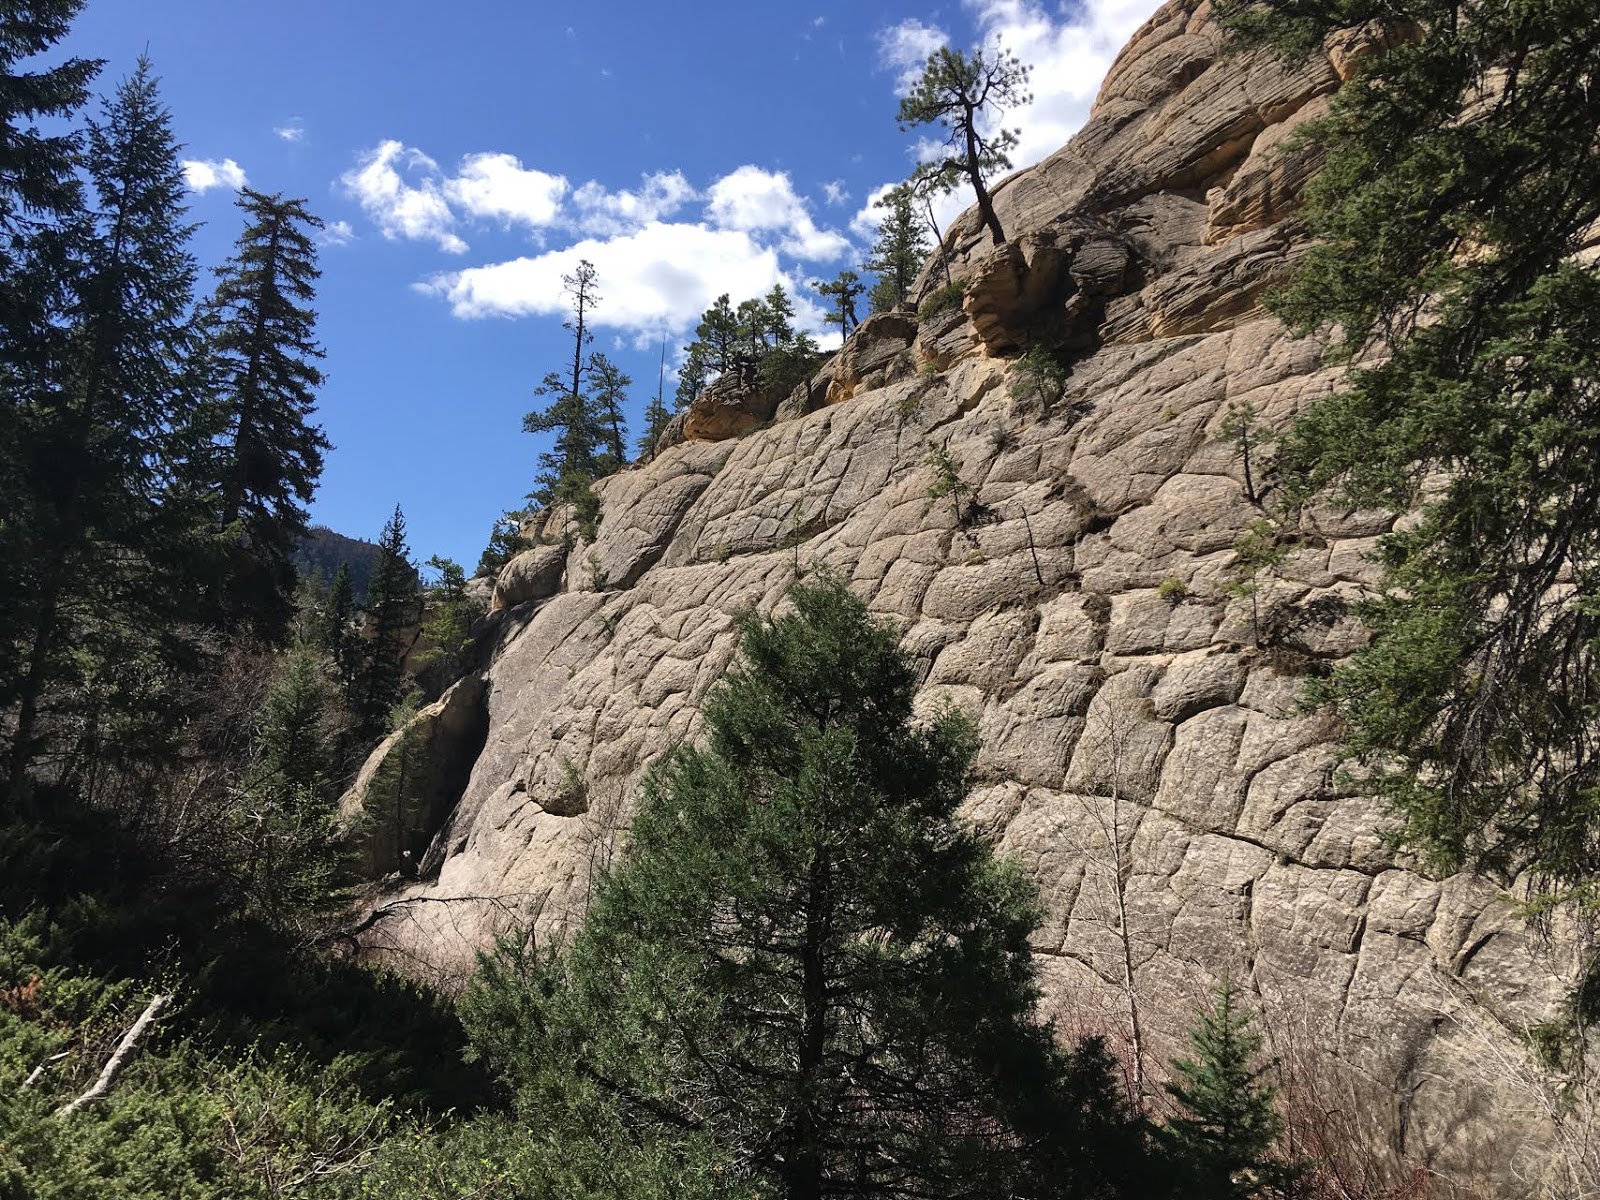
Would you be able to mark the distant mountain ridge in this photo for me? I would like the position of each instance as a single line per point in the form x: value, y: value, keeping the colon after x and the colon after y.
x: 322, y: 552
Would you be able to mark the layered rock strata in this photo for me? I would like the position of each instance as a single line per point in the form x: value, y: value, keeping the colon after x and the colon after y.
x: 1138, y: 693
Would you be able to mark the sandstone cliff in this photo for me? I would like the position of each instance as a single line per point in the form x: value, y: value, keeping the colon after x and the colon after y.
x: 1139, y: 706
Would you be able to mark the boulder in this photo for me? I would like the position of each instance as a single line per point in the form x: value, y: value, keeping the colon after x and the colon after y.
x: 532, y: 575
x: 734, y: 403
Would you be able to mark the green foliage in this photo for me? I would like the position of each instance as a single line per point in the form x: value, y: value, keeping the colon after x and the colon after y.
x: 590, y: 441
x: 505, y: 543
x: 1239, y: 428
x: 446, y: 638
x: 947, y: 481
x: 942, y: 300
x: 962, y: 95
x: 1228, y: 1127
x: 261, y: 458
x: 1259, y: 551
x: 337, y: 635
x: 841, y: 293
x: 1460, y: 179
x: 897, y: 255
x: 1041, y: 373
x: 95, y: 396
x: 393, y: 609
x: 807, y: 968
x: 1173, y: 590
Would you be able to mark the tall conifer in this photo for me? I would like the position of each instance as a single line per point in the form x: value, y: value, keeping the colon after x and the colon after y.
x: 265, y: 453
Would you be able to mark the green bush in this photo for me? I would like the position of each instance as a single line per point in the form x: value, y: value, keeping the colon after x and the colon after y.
x: 945, y: 299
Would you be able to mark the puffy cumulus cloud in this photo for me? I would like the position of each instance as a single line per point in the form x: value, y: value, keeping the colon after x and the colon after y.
x: 752, y: 200
x: 1069, y: 54
x: 659, y: 277
x: 498, y: 187
x: 606, y: 213
x: 865, y: 223
x: 203, y: 174
x: 416, y: 208
x: 904, y: 49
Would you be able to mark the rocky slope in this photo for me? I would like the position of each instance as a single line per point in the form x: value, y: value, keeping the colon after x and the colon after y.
x: 1139, y: 707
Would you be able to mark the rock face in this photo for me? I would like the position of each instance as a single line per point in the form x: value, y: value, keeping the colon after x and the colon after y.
x: 1140, y: 716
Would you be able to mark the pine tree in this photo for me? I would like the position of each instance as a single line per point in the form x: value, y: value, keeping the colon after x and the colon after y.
x: 1459, y: 189
x: 567, y: 470
x: 610, y: 384
x: 898, y: 253
x: 94, y: 556
x: 693, y: 376
x: 842, y: 292
x: 1229, y: 1126
x: 955, y: 92
x: 505, y: 543
x: 392, y: 611
x: 446, y: 636
x: 780, y: 316
x: 809, y: 959
x: 718, y: 331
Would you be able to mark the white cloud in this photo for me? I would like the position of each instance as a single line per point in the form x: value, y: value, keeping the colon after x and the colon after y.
x: 865, y: 223
x: 203, y: 174
x: 904, y: 49
x: 498, y: 187
x: 294, y: 131
x: 419, y: 211
x: 337, y: 233
x: 610, y: 214
x: 834, y: 191
x: 1069, y: 57
x: 662, y: 276
x: 752, y: 200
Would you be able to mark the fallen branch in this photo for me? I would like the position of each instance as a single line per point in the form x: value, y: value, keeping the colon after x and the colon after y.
x: 118, y: 1060
x: 38, y: 1072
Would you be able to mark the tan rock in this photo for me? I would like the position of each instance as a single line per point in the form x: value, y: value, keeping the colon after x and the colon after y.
x: 532, y: 575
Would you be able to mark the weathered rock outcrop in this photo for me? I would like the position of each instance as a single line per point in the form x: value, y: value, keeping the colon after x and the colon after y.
x: 1141, y: 719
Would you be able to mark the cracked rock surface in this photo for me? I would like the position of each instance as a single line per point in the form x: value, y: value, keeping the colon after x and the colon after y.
x: 1141, y: 716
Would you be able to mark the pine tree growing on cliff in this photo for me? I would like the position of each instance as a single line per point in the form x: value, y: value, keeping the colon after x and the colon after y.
x: 1459, y: 189
x: 897, y: 255
x: 610, y: 384
x: 264, y: 454
x: 577, y: 459
x: 955, y: 92
x: 841, y: 292
x: 807, y: 958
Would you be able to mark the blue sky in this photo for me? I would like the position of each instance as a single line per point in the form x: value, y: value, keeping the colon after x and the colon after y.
x: 464, y: 156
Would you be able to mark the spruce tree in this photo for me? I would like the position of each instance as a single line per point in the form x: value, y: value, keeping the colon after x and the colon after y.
x: 265, y: 454
x: 338, y: 636
x: 956, y: 93
x: 898, y: 253
x: 807, y: 958
x: 392, y: 611
x: 1228, y: 1127
x: 95, y: 558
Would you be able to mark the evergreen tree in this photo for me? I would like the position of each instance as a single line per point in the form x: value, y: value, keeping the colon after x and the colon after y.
x: 611, y: 386
x: 955, y: 92
x: 93, y: 555
x: 505, y: 543
x: 780, y: 316
x: 392, y: 612
x: 338, y: 637
x: 1460, y: 184
x: 898, y: 253
x: 693, y: 376
x: 657, y: 416
x: 446, y: 637
x: 1229, y: 1126
x: 265, y: 454
x: 809, y: 959
x: 842, y: 292
x: 575, y: 461
x: 718, y: 331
